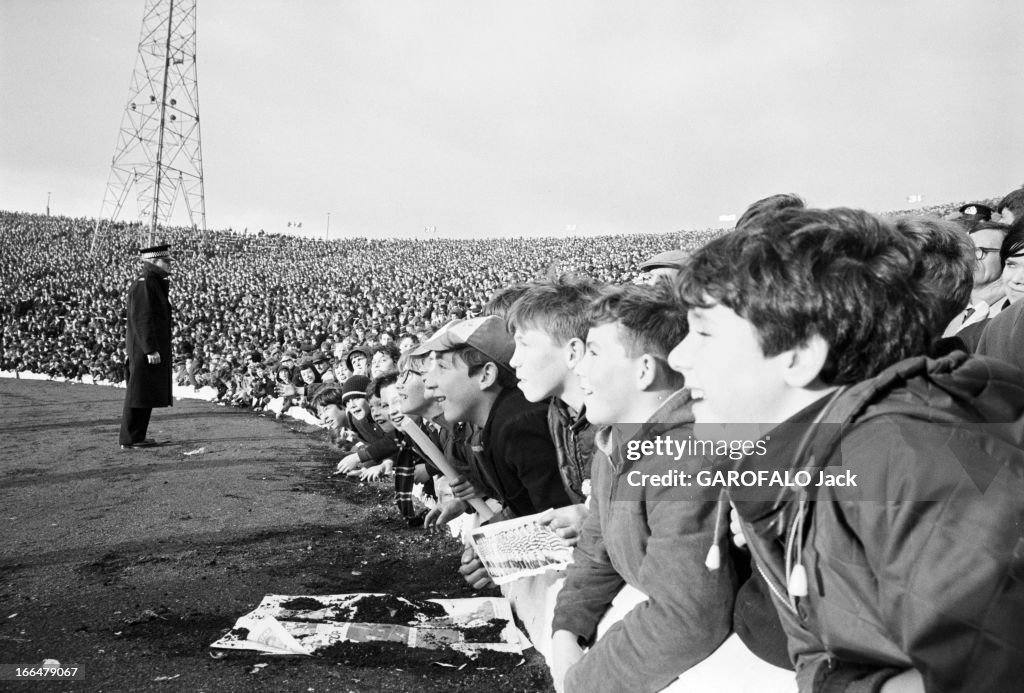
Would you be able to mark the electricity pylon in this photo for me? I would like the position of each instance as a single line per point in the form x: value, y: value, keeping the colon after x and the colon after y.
x: 159, y: 149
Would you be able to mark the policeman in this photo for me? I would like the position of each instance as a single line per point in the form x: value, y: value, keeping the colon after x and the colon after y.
x: 148, y: 343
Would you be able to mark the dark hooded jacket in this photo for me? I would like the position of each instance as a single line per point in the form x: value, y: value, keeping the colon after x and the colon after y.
x: 921, y: 565
x: 516, y: 458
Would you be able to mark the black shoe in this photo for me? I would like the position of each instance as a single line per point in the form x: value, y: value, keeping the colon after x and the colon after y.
x: 147, y: 443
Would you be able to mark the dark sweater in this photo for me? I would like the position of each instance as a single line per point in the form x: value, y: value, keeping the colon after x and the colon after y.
x: 517, y: 458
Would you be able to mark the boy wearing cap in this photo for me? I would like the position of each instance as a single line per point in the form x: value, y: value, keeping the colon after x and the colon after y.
x: 323, y: 367
x: 644, y: 536
x: 378, y: 446
x: 357, y: 361
x: 665, y: 265
x: 472, y: 382
x: 907, y: 577
x: 148, y: 344
x: 511, y: 455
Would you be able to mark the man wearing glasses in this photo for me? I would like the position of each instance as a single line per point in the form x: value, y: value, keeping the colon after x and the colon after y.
x: 148, y: 347
x: 987, y: 296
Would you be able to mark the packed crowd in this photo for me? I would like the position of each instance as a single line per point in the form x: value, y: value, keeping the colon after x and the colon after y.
x: 245, y: 302
x: 880, y: 357
x: 242, y: 301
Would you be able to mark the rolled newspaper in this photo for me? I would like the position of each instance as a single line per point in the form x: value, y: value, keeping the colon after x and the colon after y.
x: 424, y: 443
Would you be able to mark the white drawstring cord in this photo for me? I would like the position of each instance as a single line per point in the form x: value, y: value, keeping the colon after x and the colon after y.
x: 796, y: 574
x: 713, y: 560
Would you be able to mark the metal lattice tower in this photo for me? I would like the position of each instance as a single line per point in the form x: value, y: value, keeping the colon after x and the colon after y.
x: 159, y: 150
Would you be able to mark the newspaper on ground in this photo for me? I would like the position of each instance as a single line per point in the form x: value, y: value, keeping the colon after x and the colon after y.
x: 519, y: 548
x: 304, y: 625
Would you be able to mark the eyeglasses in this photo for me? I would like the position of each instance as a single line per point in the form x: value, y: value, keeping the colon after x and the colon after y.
x: 403, y: 377
x: 980, y: 253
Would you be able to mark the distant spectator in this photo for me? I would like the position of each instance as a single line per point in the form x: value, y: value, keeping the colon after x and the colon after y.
x: 974, y: 213
x: 383, y: 359
x: 237, y: 293
x: 358, y: 361
x: 666, y: 264
x: 1011, y: 207
x: 407, y: 342
x: 1012, y: 255
x: 1003, y: 339
x: 987, y: 296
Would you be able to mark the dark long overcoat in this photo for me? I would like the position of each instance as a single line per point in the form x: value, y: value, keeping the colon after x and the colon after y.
x: 149, y: 330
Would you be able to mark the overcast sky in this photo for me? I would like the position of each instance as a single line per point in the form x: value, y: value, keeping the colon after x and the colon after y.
x: 524, y: 117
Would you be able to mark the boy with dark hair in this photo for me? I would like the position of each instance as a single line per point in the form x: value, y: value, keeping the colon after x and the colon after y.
x: 642, y: 536
x: 383, y: 358
x: 757, y: 212
x: 311, y: 381
x: 549, y: 326
x: 947, y: 259
x: 901, y: 570
x: 330, y: 409
x: 407, y: 341
x: 1011, y: 207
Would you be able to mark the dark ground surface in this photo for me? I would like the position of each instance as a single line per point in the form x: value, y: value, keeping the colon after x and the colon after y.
x: 128, y: 564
